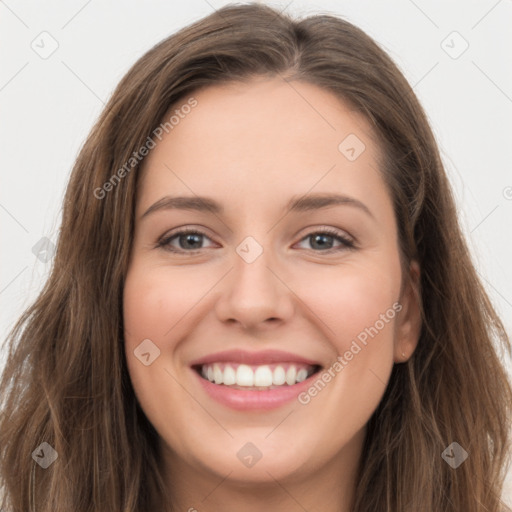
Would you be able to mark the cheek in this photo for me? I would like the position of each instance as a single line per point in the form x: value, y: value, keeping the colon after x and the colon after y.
x: 155, y: 308
x: 155, y: 302
x: 150, y: 309
x: 142, y: 304
x: 160, y: 304
x: 350, y: 300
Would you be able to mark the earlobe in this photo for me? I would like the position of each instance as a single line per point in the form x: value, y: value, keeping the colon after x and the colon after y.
x: 408, y: 325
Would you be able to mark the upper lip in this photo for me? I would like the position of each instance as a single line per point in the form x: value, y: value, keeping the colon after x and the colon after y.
x: 254, y: 358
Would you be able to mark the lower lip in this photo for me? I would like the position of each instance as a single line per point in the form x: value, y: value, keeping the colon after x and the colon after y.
x: 254, y: 400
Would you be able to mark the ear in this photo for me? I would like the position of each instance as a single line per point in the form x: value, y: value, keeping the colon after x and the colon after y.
x: 408, y: 323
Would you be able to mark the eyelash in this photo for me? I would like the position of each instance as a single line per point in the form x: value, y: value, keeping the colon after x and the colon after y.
x: 165, y: 241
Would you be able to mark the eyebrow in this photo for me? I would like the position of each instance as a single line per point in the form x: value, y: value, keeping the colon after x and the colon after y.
x: 302, y: 204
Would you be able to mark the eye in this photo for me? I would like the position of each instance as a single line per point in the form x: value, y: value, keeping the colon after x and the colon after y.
x: 324, y: 240
x: 188, y: 240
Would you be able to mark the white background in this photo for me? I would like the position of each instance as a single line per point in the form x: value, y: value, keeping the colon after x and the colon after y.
x: 49, y: 105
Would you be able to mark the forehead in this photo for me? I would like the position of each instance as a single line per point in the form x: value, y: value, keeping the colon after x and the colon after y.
x: 244, y: 137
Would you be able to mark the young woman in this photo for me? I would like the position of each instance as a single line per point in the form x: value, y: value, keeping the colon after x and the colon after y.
x: 323, y: 343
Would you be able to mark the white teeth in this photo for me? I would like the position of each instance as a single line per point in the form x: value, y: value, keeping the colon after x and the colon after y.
x: 263, y: 376
x: 229, y: 375
x: 301, y: 375
x: 260, y: 376
x: 217, y: 374
x: 279, y: 376
x: 291, y: 374
x: 244, y: 375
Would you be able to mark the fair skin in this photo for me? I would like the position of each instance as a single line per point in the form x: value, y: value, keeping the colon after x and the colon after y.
x: 252, y: 148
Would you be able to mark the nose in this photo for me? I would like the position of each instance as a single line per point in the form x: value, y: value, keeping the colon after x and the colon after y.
x: 255, y: 295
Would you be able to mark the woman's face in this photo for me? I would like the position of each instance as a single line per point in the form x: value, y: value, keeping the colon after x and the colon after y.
x: 280, y: 273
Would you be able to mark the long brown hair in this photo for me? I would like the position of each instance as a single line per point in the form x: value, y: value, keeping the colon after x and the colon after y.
x: 66, y: 383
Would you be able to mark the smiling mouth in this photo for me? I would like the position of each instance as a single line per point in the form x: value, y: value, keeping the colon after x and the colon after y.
x: 256, y: 377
